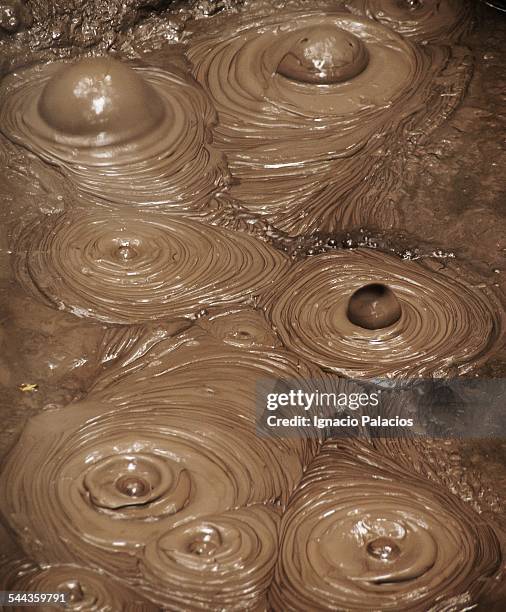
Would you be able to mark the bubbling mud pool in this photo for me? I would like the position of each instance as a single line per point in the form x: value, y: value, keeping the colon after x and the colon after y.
x: 121, y: 267
x: 126, y: 136
x: 196, y: 246
x: 433, y: 324
x: 314, y: 142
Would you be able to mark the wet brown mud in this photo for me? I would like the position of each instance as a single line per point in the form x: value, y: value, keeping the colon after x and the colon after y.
x: 143, y: 275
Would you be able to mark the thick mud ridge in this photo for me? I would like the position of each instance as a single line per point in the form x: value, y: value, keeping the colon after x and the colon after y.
x: 197, y: 196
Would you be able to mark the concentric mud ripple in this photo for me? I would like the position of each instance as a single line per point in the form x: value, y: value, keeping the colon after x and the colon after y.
x: 446, y: 327
x: 99, y: 483
x: 437, y: 21
x: 219, y: 562
x: 125, y: 135
x: 317, y: 143
x: 241, y: 327
x: 198, y: 370
x: 360, y: 534
x: 86, y: 590
x: 168, y: 436
x: 125, y: 267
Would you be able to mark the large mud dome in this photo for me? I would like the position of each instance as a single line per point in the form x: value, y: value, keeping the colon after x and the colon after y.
x: 198, y: 195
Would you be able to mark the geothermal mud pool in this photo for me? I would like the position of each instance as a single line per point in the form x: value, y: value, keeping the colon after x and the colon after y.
x: 196, y: 196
